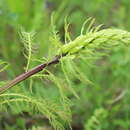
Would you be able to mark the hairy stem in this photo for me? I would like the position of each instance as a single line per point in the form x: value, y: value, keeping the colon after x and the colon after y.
x: 29, y: 73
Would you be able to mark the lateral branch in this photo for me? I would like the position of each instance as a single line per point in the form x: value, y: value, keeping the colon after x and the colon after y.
x: 29, y: 73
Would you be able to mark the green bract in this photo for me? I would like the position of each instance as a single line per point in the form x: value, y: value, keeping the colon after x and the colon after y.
x: 98, y: 39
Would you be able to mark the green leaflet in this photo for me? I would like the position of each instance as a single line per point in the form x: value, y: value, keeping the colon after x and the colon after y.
x: 3, y: 65
x: 50, y: 109
x: 96, y: 120
x: 27, y: 39
x: 91, y: 40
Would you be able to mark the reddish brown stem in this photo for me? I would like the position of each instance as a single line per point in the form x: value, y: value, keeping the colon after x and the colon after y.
x: 26, y: 75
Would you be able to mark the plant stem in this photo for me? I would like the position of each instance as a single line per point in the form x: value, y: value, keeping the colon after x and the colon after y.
x: 29, y: 73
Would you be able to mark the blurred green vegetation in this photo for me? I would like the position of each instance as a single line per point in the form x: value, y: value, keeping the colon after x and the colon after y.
x: 110, y: 74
